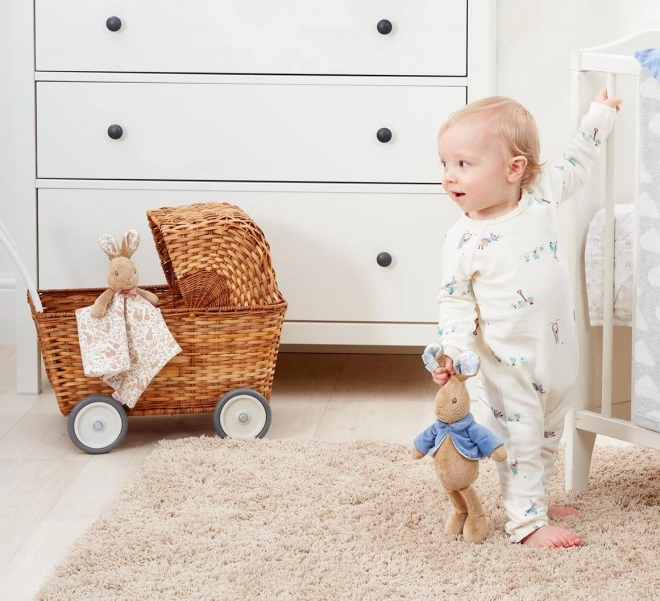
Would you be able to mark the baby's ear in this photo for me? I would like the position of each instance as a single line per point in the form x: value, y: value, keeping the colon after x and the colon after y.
x: 516, y: 169
x: 130, y: 243
x: 466, y: 365
x: 109, y: 246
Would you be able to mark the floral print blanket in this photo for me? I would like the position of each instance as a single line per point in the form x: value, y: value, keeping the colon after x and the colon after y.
x: 128, y: 346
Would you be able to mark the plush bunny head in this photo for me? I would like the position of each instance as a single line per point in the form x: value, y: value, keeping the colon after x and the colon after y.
x: 122, y: 274
x: 452, y: 403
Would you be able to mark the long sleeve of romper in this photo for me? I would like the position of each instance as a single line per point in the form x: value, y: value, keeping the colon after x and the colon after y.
x: 572, y: 172
x: 457, y: 305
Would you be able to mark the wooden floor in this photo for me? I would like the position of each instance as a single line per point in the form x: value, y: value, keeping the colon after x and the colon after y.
x: 50, y: 491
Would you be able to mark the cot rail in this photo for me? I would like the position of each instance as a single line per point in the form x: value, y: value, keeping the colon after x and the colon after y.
x: 594, y: 385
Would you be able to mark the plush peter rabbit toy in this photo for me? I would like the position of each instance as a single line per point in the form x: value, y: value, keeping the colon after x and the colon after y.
x: 123, y: 336
x: 122, y: 274
x: 456, y: 443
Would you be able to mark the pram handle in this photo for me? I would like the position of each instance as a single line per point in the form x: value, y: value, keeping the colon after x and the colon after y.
x: 10, y: 245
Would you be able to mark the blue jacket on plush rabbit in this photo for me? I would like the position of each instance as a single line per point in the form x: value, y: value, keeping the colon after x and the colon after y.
x: 472, y: 440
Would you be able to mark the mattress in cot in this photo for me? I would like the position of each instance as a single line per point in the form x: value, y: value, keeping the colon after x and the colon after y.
x: 645, y: 410
x: 624, y: 261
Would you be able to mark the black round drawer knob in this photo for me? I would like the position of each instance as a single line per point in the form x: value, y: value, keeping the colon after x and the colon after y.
x: 384, y: 135
x: 384, y: 27
x: 113, y: 23
x: 384, y: 259
x: 115, y: 131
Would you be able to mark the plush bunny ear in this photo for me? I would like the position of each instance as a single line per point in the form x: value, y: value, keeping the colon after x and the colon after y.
x: 130, y: 243
x: 109, y: 246
x: 433, y: 356
x: 467, y: 365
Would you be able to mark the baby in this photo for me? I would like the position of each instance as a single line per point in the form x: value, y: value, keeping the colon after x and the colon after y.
x: 507, y: 293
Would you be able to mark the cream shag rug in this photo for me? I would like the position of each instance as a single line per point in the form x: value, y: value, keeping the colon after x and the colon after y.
x: 207, y: 519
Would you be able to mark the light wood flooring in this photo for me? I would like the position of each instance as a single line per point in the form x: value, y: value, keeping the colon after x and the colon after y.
x: 51, y: 492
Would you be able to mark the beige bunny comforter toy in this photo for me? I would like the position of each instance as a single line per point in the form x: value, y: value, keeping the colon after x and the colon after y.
x: 456, y: 443
x: 123, y: 336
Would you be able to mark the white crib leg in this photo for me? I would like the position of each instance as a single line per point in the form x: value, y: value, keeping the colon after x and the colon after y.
x: 579, y: 447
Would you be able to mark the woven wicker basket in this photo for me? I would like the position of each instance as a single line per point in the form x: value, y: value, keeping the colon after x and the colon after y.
x: 222, y: 349
x: 215, y: 255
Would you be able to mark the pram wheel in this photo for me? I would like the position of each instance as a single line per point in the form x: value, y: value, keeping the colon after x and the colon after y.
x: 97, y: 424
x: 242, y: 413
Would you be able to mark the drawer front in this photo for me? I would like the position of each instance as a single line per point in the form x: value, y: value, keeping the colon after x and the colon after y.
x: 307, y: 37
x: 324, y: 246
x: 242, y: 132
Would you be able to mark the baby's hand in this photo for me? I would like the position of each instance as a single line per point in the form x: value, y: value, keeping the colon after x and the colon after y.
x: 441, y: 374
x: 614, y: 102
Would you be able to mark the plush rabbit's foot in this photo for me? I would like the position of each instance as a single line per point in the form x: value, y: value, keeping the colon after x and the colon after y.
x: 552, y: 537
x: 454, y: 524
x: 475, y: 529
x: 561, y: 512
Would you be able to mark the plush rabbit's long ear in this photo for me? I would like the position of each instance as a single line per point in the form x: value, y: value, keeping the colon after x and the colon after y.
x: 433, y: 356
x: 466, y: 365
x: 130, y: 243
x: 109, y: 246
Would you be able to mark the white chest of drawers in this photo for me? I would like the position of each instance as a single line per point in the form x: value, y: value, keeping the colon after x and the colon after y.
x: 317, y: 118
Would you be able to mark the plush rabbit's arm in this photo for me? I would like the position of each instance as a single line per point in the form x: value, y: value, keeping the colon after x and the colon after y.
x: 150, y: 296
x: 499, y: 454
x: 102, y: 303
x: 416, y: 454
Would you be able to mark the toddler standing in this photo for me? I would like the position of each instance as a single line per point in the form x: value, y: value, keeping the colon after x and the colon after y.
x: 506, y: 290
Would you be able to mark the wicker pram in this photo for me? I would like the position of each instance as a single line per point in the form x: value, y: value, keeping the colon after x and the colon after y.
x: 221, y: 304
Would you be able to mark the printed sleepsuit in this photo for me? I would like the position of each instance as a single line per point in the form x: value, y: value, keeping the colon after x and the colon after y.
x: 506, y: 294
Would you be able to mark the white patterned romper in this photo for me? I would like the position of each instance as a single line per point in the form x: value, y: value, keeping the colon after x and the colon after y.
x: 510, y: 273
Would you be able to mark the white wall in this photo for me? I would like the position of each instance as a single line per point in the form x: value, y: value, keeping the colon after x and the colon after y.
x: 7, y: 277
x: 534, y: 43
x: 534, y: 40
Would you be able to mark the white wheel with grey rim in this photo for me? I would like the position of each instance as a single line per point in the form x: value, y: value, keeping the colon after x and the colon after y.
x: 97, y: 424
x: 242, y: 413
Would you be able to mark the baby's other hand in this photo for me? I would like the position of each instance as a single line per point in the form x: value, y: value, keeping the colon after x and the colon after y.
x: 615, y: 102
x: 441, y: 374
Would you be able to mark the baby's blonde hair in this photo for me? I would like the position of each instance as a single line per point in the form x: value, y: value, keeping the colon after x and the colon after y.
x: 512, y: 123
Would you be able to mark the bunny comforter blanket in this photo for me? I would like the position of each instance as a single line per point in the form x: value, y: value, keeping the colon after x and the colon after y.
x: 128, y: 346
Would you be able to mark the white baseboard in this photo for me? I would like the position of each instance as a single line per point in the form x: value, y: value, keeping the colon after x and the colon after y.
x: 7, y: 311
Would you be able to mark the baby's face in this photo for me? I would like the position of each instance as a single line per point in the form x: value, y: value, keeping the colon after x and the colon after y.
x: 475, y: 170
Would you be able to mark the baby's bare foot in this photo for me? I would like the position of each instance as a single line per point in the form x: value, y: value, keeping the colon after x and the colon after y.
x: 561, y: 512
x: 553, y: 537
